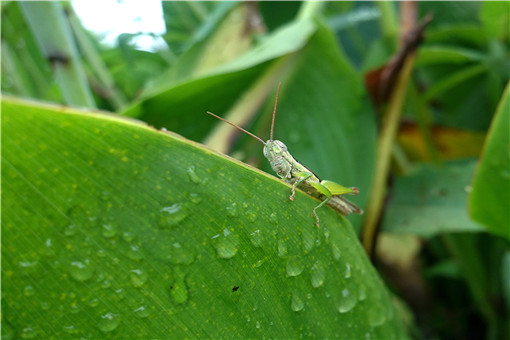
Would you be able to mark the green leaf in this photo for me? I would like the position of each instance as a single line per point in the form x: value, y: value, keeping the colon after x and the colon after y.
x: 490, y: 197
x: 54, y: 35
x: 113, y: 229
x: 432, y: 200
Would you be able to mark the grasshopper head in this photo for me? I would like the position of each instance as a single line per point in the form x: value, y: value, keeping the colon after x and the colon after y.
x: 274, y: 148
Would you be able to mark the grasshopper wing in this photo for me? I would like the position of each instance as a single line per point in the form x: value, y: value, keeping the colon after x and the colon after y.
x: 337, y: 189
x: 338, y: 202
x: 344, y: 206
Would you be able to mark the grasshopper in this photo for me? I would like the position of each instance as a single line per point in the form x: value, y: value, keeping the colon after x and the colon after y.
x: 298, y: 175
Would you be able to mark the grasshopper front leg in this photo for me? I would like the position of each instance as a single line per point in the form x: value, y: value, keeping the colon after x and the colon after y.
x: 304, y: 176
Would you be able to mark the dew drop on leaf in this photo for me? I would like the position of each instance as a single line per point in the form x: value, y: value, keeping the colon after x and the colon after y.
x: 335, y: 249
x: 70, y: 230
x: 70, y: 329
x: 226, y: 244
x: 251, y: 216
x: 141, y: 312
x: 172, y: 215
x: 317, y: 274
x: 376, y: 315
x: 282, y: 248
x: 347, y: 272
x: 128, y: 236
x: 134, y: 252
x: 273, y: 218
x: 192, y: 175
x: 194, y: 198
x: 108, y: 230
x: 28, y: 332
x: 296, y: 303
x: 347, y: 301
x: 232, y: 210
x: 94, y: 302
x: 362, y: 292
x: 138, y: 277
x: 256, y: 238
x: 29, y: 291
x: 294, y: 266
x: 81, y: 270
x: 109, y: 322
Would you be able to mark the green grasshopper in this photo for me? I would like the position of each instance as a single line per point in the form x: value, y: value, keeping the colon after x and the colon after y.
x: 296, y: 174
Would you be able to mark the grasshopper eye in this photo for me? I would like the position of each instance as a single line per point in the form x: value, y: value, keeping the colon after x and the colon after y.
x: 282, y: 146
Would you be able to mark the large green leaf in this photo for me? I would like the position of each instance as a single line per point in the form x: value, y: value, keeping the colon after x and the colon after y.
x: 490, y: 198
x: 432, y: 200
x: 113, y: 229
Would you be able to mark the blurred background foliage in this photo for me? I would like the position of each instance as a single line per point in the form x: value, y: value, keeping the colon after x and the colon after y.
x: 441, y: 230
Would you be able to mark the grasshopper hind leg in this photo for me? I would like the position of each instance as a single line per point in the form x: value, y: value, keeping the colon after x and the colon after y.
x: 317, y: 223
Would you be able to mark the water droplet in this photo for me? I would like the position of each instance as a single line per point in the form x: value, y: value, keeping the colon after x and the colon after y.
x: 134, y: 252
x: 194, y: 198
x: 75, y: 308
x: 178, y: 289
x: 81, y: 270
x: 138, y: 277
x: 48, y: 249
x: 101, y: 253
x: 347, y: 301
x: 179, y: 255
x: 70, y: 230
x: 128, y: 236
x: 257, y: 325
x: 226, y: 244
x: 108, y: 230
x: 362, y: 292
x: 172, y: 215
x: 119, y: 293
x: 294, y: 266
x: 232, y: 210
x: 193, y: 175
x: 273, y: 218
x: 251, y: 216
x: 256, y: 238
x: 347, y: 272
x: 70, y: 329
x: 94, y: 302
x: 27, y: 267
x: 296, y: 303
x: 282, y: 248
x: 29, y: 291
x: 317, y: 274
x: 28, y: 332
x: 109, y: 322
x: 106, y: 284
x: 376, y: 315
x: 141, y: 312
x: 307, y: 240
x: 337, y: 254
x: 326, y: 234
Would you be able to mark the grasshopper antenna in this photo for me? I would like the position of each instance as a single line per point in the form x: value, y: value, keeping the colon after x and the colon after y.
x: 238, y: 127
x: 274, y: 111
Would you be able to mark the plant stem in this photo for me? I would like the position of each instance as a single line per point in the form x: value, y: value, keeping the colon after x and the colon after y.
x: 384, y: 152
x: 53, y: 34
